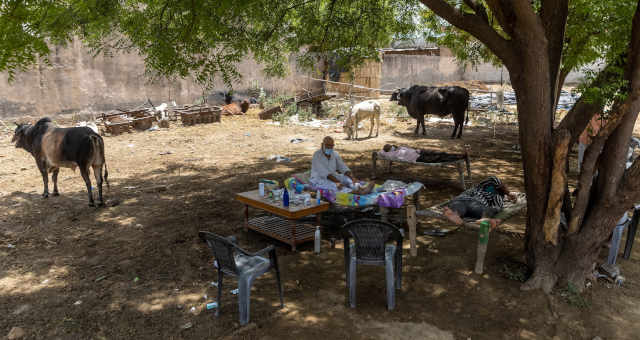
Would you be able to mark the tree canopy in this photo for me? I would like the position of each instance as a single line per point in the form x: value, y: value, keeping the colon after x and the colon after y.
x: 539, y: 42
x: 205, y: 39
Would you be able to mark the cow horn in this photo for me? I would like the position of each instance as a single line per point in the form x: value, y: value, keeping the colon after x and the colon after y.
x: 16, y: 123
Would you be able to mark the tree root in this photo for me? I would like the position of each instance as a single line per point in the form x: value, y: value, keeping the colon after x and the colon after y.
x: 540, y: 280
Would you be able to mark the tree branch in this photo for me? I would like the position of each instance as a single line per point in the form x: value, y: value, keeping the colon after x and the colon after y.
x: 585, y: 181
x: 477, y: 27
x: 504, y: 13
x: 478, y: 8
x: 630, y: 186
x: 582, y: 111
x: 612, y: 167
x: 554, y: 20
x: 558, y: 185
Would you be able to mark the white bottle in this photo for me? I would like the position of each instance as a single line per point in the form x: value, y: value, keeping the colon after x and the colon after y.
x: 316, y: 240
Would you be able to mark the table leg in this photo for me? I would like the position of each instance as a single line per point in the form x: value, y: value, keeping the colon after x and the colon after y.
x: 411, y: 222
x: 293, y: 234
x: 246, y: 218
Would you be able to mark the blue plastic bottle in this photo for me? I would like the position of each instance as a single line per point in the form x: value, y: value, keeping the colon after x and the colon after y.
x: 285, y: 198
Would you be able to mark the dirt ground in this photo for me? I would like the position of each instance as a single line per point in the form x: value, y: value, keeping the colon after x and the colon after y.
x: 137, y: 270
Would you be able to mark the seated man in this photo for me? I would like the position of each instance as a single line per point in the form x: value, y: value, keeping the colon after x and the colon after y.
x: 329, y: 172
x: 483, y: 201
x: 414, y: 155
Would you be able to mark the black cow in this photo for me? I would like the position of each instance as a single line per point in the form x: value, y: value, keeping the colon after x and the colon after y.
x: 231, y: 97
x: 217, y: 98
x: 421, y: 100
x: 54, y: 148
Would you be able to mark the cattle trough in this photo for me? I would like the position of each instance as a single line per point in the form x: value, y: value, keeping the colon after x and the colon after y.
x: 304, y: 99
x: 199, y: 115
x: 119, y: 122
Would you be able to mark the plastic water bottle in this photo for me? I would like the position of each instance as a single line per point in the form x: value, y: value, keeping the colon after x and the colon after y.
x: 261, y: 189
x: 316, y: 241
x: 483, y: 240
x: 285, y: 198
x: 318, y: 197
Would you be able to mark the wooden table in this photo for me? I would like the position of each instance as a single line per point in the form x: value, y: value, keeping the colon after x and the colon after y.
x: 283, y: 226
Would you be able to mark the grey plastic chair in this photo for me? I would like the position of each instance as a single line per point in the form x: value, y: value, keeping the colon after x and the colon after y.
x: 233, y: 260
x: 375, y: 243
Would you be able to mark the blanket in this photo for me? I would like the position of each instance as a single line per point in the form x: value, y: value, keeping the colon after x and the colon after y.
x: 430, y: 157
x: 391, y: 194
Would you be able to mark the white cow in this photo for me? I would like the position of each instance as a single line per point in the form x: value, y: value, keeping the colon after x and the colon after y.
x: 361, y: 111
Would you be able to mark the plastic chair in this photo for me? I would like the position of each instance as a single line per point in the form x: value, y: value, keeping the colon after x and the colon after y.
x: 373, y: 245
x: 233, y: 260
x: 631, y: 233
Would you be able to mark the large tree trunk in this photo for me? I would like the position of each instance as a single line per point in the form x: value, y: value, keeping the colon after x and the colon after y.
x: 532, y: 54
x: 537, y: 147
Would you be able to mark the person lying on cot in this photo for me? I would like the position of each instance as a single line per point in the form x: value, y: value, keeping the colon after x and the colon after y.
x: 329, y: 172
x: 407, y: 154
x: 482, y: 202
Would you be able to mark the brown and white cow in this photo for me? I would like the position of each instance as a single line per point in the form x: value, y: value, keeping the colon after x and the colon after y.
x: 54, y: 148
x: 232, y: 109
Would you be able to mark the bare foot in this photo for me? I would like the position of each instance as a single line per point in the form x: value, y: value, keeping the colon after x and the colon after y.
x: 452, y: 216
x: 368, y: 188
x: 364, y: 190
x: 495, y: 222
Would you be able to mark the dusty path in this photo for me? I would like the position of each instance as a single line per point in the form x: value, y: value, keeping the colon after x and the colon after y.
x: 71, y: 271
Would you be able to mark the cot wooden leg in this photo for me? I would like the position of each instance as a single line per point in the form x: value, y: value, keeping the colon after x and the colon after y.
x: 411, y: 222
x: 389, y: 166
x: 384, y: 211
x: 468, y: 163
x: 461, y: 174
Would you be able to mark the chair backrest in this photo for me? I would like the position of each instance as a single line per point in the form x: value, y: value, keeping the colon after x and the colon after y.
x: 371, y: 237
x: 223, y: 251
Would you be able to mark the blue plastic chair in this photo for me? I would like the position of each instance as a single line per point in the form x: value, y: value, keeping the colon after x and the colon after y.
x: 375, y: 243
x: 233, y: 260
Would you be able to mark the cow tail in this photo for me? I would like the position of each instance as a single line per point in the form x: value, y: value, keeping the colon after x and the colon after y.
x: 106, y: 174
x: 467, y: 119
x: 98, y: 147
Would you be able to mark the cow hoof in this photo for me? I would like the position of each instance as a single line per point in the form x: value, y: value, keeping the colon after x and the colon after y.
x: 55, y: 193
x: 101, y: 204
x: 91, y: 204
x: 45, y: 195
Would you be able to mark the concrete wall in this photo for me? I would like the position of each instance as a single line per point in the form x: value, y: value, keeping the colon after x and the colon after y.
x: 405, y: 70
x: 78, y: 81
